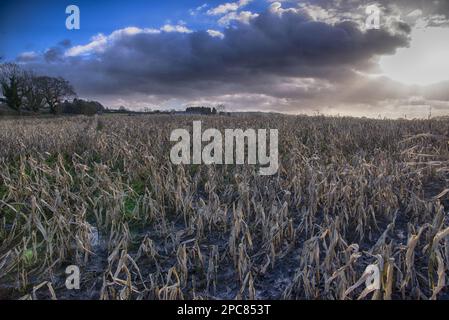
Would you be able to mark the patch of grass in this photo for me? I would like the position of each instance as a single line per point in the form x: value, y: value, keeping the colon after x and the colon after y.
x: 138, y: 187
x: 3, y: 191
x: 129, y: 206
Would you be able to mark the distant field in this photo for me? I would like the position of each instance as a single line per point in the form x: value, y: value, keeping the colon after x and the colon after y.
x: 101, y: 193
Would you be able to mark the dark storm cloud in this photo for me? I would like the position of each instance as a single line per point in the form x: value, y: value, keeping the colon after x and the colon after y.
x: 51, y: 55
x: 249, y: 58
x: 435, y: 12
x: 54, y: 54
x: 284, y: 60
x: 66, y: 43
x: 427, y: 6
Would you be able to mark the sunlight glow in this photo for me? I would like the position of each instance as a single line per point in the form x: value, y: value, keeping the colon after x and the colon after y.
x: 425, y: 62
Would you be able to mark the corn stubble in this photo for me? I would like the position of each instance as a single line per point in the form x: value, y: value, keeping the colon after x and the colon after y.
x: 102, y: 193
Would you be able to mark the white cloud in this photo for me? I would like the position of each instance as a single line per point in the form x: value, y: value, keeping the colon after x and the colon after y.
x: 27, y: 56
x: 228, y: 7
x: 144, y: 70
x: 100, y: 42
x: 415, y: 13
x: 243, y: 16
x: 194, y: 12
x: 215, y: 34
x: 176, y: 28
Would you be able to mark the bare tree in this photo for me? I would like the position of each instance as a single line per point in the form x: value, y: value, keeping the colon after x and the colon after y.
x: 32, y: 92
x: 54, y: 91
x: 220, y: 108
x: 11, y: 76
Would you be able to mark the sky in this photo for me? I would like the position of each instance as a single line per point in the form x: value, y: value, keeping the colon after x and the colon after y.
x: 291, y: 56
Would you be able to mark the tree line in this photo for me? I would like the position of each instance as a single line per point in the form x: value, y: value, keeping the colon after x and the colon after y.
x: 23, y: 90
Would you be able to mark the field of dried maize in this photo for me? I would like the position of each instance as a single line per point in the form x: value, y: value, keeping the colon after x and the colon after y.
x: 102, y: 193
